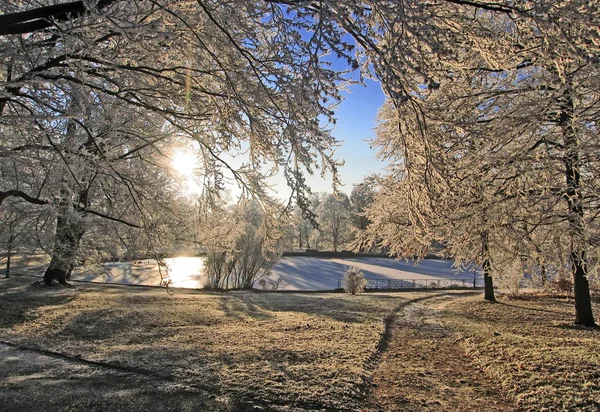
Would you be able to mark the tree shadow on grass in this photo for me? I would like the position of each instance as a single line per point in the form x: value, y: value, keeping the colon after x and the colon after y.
x: 104, y: 324
x: 20, y: 301
x: 320, y: 386
x: 339, y: 307
x: 520, y: 319
x: 527, y: 308
x: 240, y: 307
x: 133, y: 316
x: 36, y: 382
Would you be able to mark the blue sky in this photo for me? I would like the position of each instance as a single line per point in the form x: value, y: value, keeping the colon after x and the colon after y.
x: 356, y: 119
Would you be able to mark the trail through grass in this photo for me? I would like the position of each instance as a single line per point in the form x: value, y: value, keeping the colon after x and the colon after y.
x: 97, y: 348
x: 292, y: 350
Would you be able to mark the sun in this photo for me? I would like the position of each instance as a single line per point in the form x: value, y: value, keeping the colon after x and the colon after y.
x: 184, y: 163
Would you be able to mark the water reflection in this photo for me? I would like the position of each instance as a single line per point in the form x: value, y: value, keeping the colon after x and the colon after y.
x: 186, y: 272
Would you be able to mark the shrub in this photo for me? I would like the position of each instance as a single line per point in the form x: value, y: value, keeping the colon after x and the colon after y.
x: 240, y: 268
x: 562, y: 285
x: 354, y: 281
x: 266, y: 283
x: 242, y: 259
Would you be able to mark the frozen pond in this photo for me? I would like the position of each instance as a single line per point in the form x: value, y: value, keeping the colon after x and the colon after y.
x: 183, y: 272
x: 298, y: 273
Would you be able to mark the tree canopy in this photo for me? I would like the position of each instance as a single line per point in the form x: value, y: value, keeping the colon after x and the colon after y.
x: 96, y: 95
x: 491, y: 127
x: 494, y: 138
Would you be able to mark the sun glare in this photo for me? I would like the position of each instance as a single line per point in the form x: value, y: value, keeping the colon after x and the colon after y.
x: 184, y: 163
x: 186, y: 272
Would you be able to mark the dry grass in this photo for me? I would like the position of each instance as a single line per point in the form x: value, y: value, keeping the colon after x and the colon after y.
x: 242, y: 348
x: 463, y: 354
x: 424, y: 369
x: 252, y: 351
x: 531, y: 348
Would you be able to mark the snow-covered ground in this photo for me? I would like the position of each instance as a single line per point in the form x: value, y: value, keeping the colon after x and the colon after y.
x: 298, y: 273
x: 302, y: 273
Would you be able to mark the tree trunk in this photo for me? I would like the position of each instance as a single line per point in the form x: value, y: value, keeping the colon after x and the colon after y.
x: 69, y: 232
x: 575, y: 214
x: 9, y: 247
x: 583, y: 302
x: 7, y: 272
x: 69, y: 224
x: 488, y: 282
x: 543, y: 274
x: 487, y: 270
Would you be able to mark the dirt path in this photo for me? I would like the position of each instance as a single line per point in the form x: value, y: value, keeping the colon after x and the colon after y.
x: 422, y: 368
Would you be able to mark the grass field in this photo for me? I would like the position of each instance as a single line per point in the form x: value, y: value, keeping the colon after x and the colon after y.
x: 99, y: 348
x: 530, y: 347
x: 462, y: 353
x: 303, y: 350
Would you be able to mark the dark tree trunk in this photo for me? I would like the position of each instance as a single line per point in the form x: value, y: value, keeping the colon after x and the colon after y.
x: 7, y: 272
x: 489, y: 287
x: 69, y: 232
x: 543, y: 274
x: 583, y: 302
x: 487, y: 270
x: 9, y: 248
x: 583, y: 306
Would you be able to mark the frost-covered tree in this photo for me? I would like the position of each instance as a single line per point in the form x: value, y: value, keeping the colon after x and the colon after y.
x: 361, y: 198
x: 94, y: 94
x: 244, y: 245
x: 334, y: 219
x: 19, y: 225
x: 308, y: 225
x: 303, y: 229
x: 494, y: 134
